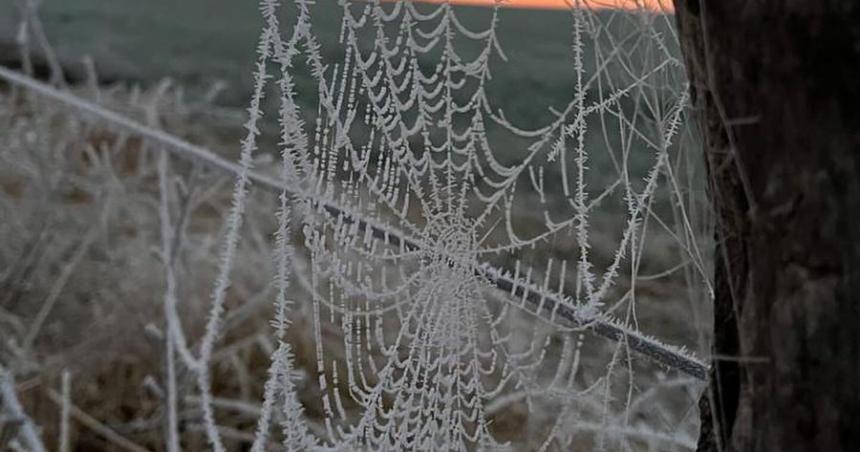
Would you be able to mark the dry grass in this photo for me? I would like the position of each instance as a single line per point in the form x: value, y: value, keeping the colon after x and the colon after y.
x: 82, y: 284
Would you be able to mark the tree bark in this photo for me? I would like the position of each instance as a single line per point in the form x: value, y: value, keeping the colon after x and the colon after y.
x: 776, y: 87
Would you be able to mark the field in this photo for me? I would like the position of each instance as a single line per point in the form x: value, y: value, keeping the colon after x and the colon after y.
x: 100, y: 231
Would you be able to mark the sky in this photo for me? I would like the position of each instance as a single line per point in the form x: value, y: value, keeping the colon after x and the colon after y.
x: 565, y: 4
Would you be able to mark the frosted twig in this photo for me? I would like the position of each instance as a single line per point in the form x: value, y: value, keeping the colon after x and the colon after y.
x: 9, y: 402
x: 65, y: 408
x: 97, y: 427
x: 58, y: 286
x: 173, y: 333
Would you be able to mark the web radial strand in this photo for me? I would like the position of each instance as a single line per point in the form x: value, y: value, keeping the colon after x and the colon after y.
x: 401, y: 123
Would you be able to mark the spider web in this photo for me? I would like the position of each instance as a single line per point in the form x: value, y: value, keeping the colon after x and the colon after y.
x: 428, y: 220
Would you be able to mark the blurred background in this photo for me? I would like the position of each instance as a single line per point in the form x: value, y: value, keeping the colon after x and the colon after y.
x: 82, y: 263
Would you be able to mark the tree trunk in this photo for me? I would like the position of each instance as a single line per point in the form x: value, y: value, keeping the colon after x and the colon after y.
x: 776, y: 85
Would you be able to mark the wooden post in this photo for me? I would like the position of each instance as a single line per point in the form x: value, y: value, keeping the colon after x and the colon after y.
x: 776, y: 85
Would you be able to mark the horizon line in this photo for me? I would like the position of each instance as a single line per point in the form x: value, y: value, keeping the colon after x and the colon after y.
x: 657, y: 6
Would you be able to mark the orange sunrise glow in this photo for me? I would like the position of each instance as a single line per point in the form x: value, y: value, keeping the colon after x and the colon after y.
x: 654, y: 5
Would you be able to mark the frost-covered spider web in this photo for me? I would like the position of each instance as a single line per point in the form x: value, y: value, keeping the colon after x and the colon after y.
x: 448, y: 254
